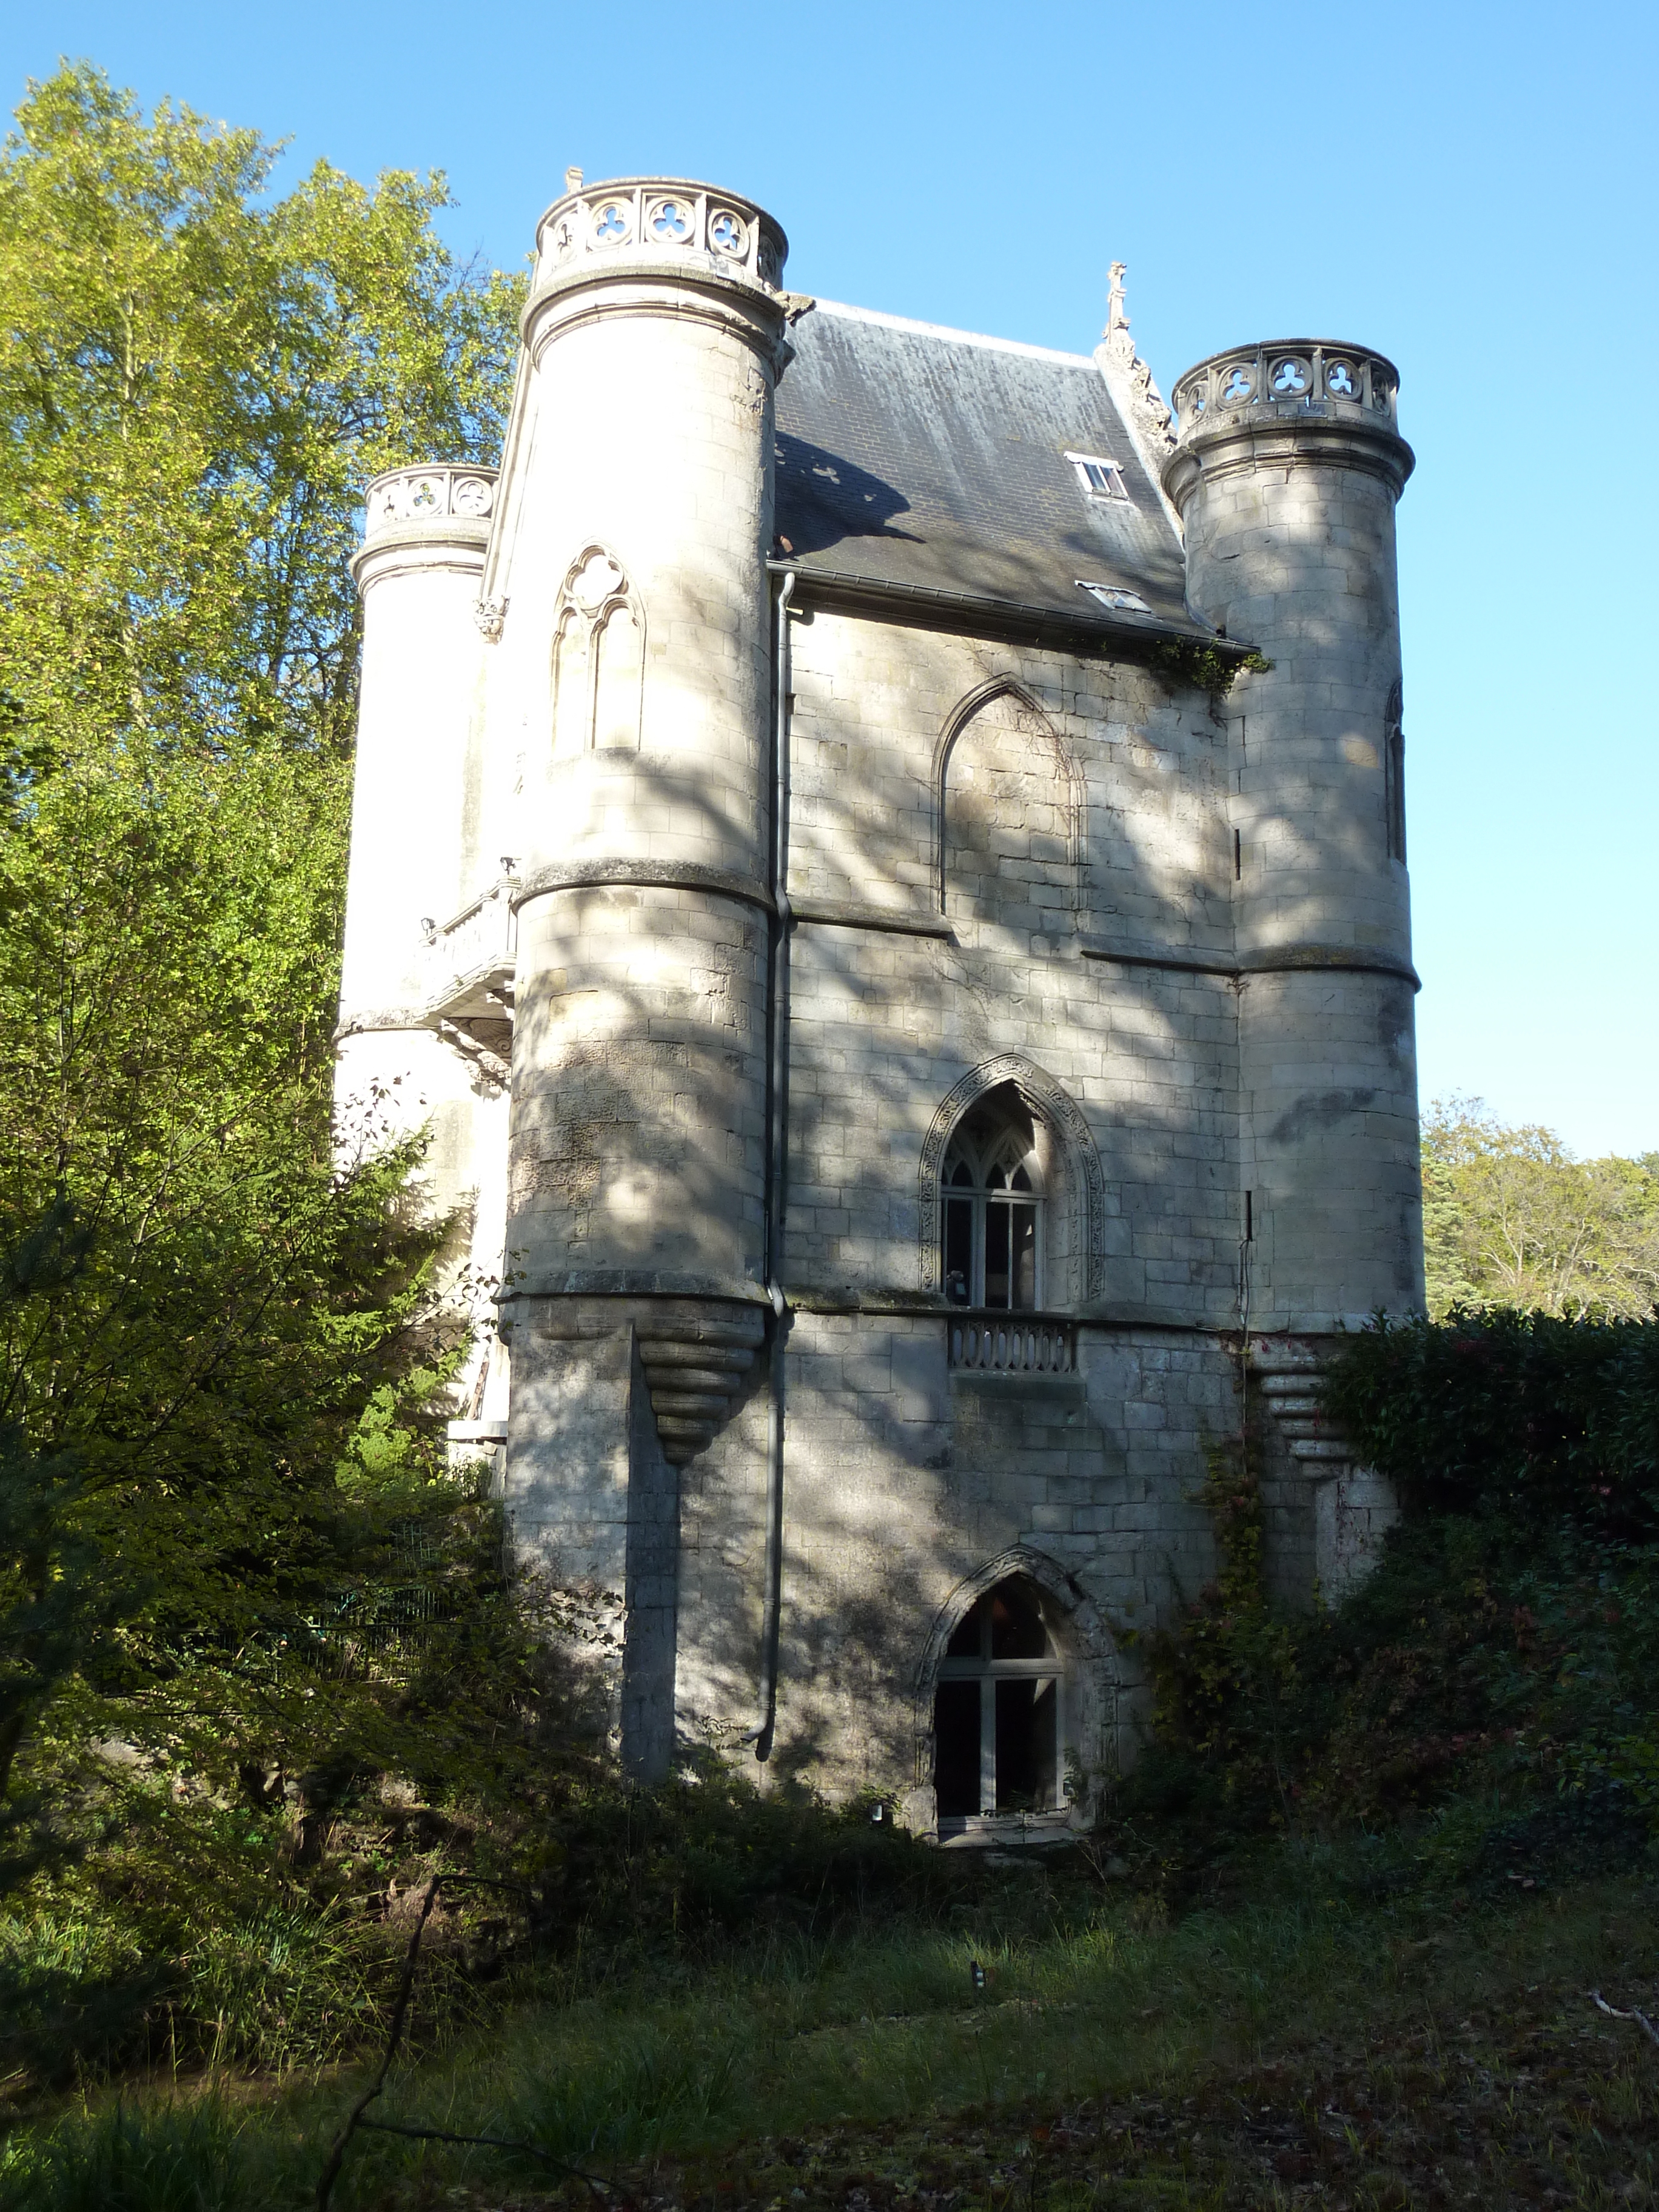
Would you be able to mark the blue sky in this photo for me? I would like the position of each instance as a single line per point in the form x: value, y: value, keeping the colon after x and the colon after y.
x: 1471, y: 188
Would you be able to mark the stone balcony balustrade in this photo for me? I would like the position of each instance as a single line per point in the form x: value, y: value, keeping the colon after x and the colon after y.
x: 478, y: 941
x: 469, y: 968
x: 1001, y: 1343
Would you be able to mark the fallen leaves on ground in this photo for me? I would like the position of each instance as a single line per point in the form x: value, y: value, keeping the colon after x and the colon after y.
x: 1547, y: 2106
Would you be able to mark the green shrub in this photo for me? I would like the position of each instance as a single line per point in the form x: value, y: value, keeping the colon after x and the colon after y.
x: 1525, y: 1414
x: 1506, y: 1649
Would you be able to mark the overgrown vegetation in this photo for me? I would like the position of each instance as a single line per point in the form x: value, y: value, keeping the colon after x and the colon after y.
x: 238, y: 1586
x: 1215, y: 668
x: 1503, y: 1653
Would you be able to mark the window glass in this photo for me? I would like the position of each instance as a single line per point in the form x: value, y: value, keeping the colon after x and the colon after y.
x: 959, y: 1250
x: 1017, y: 1629
x: 991, y: 1220
x: 997, y: 1712
x: 1023, y: 1258
x: 996, y: 1256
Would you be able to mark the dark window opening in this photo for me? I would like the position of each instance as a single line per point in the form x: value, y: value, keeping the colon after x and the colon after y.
x: 992, y: 1217
x: 997, y: 1723
x: 1026, y: 1713
x: 1394, y: 774
x: 956, y: 1753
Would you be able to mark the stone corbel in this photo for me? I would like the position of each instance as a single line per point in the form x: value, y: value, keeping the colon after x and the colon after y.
x: 694, y: 1364
x: 490, y: 1065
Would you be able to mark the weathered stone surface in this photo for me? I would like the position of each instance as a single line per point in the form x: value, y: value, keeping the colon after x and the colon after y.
x: 1032, y: 883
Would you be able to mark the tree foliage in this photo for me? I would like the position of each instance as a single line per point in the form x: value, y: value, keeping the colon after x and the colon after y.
x: 198, y: 381
x: 1530, y: 1414
x: 1511, y: 1219
x: 208, y: 1305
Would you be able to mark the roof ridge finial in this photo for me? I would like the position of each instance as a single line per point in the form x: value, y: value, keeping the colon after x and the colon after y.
x: 1129, y: 379
x: 1116, y: 320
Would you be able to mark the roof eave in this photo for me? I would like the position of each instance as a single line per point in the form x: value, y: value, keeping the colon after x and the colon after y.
x: 979, y: 615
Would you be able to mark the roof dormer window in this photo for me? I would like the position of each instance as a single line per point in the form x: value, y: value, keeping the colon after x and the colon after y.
x: 1115, y: 597
x: 1099, y: 476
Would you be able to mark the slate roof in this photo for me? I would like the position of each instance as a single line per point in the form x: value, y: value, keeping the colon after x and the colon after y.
x: 914, y: 456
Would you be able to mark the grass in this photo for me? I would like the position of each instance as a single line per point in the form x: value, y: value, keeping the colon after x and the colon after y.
x: 1313, y: 2046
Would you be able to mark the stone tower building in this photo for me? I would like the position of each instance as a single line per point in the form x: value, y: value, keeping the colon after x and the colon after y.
x: 880, y: 860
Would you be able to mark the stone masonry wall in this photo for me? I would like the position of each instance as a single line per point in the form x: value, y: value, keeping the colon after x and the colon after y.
x: 884, y: 1024
x: 1083, y: 809
x: 903, y: 1480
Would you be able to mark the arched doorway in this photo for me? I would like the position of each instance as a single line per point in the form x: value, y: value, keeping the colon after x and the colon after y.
x: 999, y: 1718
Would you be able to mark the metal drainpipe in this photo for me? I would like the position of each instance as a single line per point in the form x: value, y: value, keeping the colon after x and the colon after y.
x: 777, y: 1165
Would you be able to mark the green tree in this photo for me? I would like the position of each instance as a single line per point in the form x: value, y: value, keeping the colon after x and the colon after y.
x: 196, y: 380
x: 196, y: 385
x: 1511, y: 1217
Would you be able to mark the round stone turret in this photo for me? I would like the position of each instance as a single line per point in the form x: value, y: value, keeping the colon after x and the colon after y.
x: 1286, y: 467
x: 426, y: 530
x: 636, y: 647
x: 634, y: 661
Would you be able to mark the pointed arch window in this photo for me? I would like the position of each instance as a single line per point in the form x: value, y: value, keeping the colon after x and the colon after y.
x: 992, y: 1213
x: 999, y: 1727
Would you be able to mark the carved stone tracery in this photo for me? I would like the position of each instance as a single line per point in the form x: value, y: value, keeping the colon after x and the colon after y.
x: 1300, y: 375
x: 441, y: 491
x: 1049, y: 1101
x: 598, y: 657
x: 632, y: 215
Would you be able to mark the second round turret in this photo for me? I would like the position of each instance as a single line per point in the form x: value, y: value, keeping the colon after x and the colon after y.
x: 1285, y: 473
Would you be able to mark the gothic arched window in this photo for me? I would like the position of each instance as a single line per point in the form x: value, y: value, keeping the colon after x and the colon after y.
x: 999, y: 1740
x: 992, y: 1213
